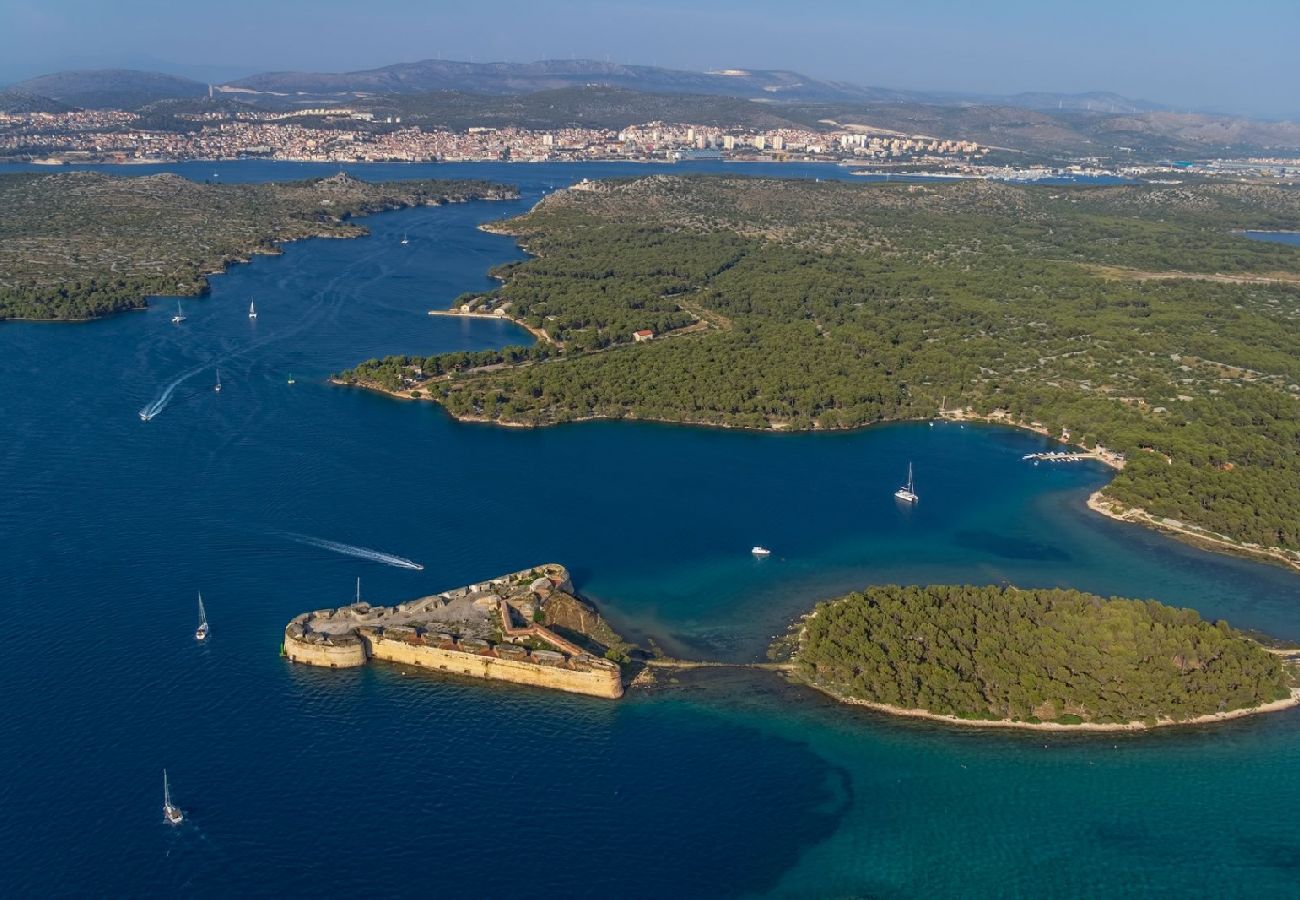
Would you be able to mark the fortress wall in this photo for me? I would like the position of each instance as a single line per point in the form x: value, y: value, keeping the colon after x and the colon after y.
x: 328, y: 655
x: 598, y: 682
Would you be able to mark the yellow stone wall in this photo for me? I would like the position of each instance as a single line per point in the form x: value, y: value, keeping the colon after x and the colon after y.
x: 329, y: 656
x: 599, y: 682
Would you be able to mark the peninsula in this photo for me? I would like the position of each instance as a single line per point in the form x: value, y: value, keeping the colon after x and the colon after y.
x: 1051, y: 659
x: 84, y: 245
x: 491, y: 630
x: 1131, y: 317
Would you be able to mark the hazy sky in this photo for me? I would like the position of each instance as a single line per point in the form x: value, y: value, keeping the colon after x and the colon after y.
x: 1242, y: 56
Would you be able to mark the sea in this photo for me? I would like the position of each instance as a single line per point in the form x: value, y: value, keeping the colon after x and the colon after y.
x: 388, y: 782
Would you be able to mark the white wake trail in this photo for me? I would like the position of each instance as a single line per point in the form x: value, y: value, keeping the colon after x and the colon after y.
x: 378, y: 556
x: 157, y: 406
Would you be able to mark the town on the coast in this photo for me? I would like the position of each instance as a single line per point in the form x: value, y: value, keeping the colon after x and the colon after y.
x: 343, y: 134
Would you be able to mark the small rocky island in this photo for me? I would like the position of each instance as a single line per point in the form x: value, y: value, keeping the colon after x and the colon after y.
x: 1057, y: 659
x: 492, y: 630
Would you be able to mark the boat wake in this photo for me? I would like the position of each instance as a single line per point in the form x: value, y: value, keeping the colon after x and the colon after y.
x: 378, y: 556
x: 160, y: 402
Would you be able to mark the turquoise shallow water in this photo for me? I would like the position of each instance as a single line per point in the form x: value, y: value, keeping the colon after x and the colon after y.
x: 299, y: 781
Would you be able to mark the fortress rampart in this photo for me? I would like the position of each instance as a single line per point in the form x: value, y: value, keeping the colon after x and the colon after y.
x: 451, y: 633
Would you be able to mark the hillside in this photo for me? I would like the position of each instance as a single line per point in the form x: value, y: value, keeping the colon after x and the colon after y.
x: 76, y: 246
x: 110, y: 88
x: 1004, y: 654
x: 1133, y: 316
x: 509, y: 78
x: 13, y: 101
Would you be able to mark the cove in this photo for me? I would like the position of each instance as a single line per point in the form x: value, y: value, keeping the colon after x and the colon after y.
x: 724, y: 784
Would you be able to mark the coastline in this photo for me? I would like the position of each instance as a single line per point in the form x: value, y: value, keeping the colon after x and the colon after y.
x: 1095, y: 727
x: 340, y: 228
x: 1098, y: 502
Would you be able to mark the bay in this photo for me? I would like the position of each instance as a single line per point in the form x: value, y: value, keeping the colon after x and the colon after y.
x: 300, y: 781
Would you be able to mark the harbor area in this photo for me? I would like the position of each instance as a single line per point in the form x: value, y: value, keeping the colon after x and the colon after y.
x: 488, y: 630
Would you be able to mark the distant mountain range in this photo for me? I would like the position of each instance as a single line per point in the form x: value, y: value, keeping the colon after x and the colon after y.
x: 558, y: 93
x: 129, y: 88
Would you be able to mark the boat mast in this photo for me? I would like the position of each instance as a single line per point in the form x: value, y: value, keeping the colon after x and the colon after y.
x: 167, y: 792
x: 909, y: 476
x: 203, y: 616
x: 358, y: 589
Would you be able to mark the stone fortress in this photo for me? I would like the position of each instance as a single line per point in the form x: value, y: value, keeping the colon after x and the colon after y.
x: 474, y: 631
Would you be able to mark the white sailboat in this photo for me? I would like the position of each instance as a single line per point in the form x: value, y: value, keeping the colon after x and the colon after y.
x: 180, y: 316
x: 252, y: 310
x: 906, y: 493
x: 171, y: 813
x: 405, y: 239
x: 201, y: 633
x: 218, y: 385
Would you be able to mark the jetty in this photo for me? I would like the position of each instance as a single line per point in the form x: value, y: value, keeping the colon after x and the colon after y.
x: 1059, y: 456
x: 487, y: 630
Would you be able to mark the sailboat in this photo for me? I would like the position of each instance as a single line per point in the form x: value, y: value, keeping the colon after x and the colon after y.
x: 905, y: 493
x: 201, y: 633
x: 171, y: 813
x: 291, y: 381
x: 405, y: 239
x: 252, y: 310
x: 218, y: 386
x: 180, y: 316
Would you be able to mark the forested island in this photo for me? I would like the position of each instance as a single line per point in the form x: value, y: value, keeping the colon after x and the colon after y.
x: 1136, y: 317
x: 79, y: 246
x: 1040, y: 658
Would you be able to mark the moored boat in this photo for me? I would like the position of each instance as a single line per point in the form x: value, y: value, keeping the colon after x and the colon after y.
x: 907, y: 493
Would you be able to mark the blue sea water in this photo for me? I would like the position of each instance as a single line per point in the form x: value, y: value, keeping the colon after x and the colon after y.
x: 727, y: 783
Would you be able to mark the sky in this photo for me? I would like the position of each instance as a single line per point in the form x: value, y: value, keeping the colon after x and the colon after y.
x: 1241, y: 57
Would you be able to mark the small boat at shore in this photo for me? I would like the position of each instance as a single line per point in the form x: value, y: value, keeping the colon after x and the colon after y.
x: 171, y: 812
x: 201, y: 633
x: 761, y: 552
x: 906, y: 493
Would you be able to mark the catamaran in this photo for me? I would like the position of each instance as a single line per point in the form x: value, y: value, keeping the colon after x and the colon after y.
x: 218, y: 387
x: 405, y: 239
x: 201, y: 633
x: 180, y: 316
x: 291, y: 381
x: 905, y: 493
x: 252, y: 310
x: 171, y: 813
